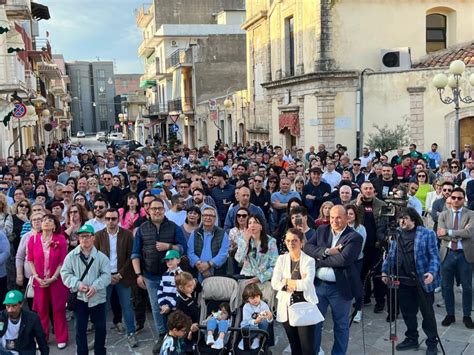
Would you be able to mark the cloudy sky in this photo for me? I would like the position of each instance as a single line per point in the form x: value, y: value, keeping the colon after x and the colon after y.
x: 87, y: 29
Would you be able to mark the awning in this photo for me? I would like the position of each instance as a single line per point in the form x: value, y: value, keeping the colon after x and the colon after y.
x: 14, y: 41
x: 289, y: 120
x: 153, y: 123
x: 4, y: 24
x: 147, y: 83
x: 39, y: 11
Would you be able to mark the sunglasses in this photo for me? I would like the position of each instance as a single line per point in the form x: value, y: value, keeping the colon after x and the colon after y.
x: 242, y: 215
x: 422, y: 175
x: 99, y: 207
x: 167, y: 180
x: 106, y: 179
x: 209, y: 215
x: 454, y: 166
x: 133, y: 181
x: 459, y: 198
x: 355, y: 164
x: 257, y: 180
x: 111, y: 218
x: 447, y: 190
x: 24, y: 206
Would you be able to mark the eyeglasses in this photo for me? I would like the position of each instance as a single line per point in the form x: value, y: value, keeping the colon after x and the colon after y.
x: 150, y: 182
x: 209, y: 215
x: 99, y: 207
x: 242, y: 215
x: 356, y: 164
x: 24, y: 206
x: 79, y: 199
x: 111, y: 218
x: 4, y: 188
x: 257, y: 180
x: 155, y: 209
x: 167, y: 180
x: 454, y: 166
x: 459, y: 198
x: 36, y: 219
x: 447, y: 190
x: 106, y: 179
x: 133, y: 181
x: 422, y: 175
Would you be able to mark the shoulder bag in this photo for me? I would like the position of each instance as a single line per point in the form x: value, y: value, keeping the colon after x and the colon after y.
x: 72, y: 298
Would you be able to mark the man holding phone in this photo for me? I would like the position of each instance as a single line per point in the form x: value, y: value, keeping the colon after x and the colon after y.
x: 299, y: 220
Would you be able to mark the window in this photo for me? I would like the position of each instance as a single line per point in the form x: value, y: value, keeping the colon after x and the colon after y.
x: 103, y: 111
x: 104, y: 125
x: 289, y: 46
x: 101, y: 88
x: 124, y: 84
x: 435, y: 32
x: 101, y: 73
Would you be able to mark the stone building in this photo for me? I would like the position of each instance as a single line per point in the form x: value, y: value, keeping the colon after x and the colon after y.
x: 325, y: 71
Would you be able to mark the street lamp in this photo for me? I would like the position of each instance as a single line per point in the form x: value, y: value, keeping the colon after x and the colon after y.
x: 440, y: 81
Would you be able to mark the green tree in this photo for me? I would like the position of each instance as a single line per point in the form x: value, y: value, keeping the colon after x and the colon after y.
x: 387, y: 139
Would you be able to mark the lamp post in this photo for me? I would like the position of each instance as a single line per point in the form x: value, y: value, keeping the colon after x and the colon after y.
x: 440, y: 81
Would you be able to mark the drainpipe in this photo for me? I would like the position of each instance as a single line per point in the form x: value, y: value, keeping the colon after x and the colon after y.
x: 360, y: 112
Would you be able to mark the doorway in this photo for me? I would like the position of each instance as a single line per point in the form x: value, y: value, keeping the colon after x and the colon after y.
x: 466, y: 131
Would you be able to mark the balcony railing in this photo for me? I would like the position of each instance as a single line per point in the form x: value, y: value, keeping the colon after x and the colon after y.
x: 31, y: 80
x: 182, y: 104
x: 158, y: 109
x: 12, y: 74
x: 180, y: 57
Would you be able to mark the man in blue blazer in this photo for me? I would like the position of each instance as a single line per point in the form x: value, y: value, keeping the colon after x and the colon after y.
x: 335, y: 248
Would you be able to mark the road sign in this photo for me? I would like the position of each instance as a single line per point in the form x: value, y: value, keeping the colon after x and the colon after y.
x: 174, y: 118
x: 20, y: 110
x: 174, y: 128
x: 212, y: 104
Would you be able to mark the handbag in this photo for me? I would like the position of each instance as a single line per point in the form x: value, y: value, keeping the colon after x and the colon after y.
x: 72, y: 298
x: 30, y: 291
x: 302, y: 314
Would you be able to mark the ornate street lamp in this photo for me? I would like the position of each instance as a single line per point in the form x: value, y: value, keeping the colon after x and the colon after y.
x: 440, y: 81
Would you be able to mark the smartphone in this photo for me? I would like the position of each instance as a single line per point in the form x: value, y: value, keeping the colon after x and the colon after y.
x: 298, y: 221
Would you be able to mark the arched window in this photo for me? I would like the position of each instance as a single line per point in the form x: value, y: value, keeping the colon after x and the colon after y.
x: 435, y: 32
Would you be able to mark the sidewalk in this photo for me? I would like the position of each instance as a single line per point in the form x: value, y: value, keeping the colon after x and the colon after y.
x: 457, y: 340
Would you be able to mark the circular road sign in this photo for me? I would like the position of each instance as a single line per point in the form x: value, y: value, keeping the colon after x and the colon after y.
x: 20, y: 110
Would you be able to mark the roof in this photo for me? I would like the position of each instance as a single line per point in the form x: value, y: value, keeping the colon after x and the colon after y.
x: 443, y: 58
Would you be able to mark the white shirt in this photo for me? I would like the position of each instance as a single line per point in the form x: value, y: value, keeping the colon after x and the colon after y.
x: 13, y: 330
x: 176, y: 217
x: 97, y: 225
x: 332, y: 178
x: 113, y: 252
x: 364, y: 161
x: 327, y: 273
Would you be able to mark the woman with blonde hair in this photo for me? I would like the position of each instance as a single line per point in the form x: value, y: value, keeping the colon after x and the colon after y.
x: 6, y: 221
x: 324, y: 213
x: 76, y: 216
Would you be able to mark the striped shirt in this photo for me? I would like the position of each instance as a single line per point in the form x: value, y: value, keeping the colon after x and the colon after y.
x: 167, y: 289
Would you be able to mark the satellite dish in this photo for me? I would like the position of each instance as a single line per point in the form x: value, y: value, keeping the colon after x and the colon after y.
x: 48, y: 127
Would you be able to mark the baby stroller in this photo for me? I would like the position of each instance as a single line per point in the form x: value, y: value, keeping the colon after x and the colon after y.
x: 215, y: 290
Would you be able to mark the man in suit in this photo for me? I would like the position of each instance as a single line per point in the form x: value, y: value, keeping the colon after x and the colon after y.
x: 440, y: 204
x: 456, y: 231
x: 335, y: 248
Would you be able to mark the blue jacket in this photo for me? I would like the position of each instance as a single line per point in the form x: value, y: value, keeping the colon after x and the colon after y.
x: 4, y: 253
x: 426, y: 257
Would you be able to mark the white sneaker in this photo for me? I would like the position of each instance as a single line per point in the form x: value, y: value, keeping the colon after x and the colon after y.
x: 62, y: 346
x: 241, y: 344
x: 210, y: 340
x: 460, y: 288
x: 255, y: 343
x: 357, y: 317
x: 440, y: 304
x: 438, y: 289
x: 219, y: 344
x: 321, y: 351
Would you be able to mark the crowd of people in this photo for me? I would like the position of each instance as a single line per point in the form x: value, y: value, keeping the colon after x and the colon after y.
x: 84, y: 232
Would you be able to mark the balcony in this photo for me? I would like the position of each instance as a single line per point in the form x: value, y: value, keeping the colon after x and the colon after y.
x: 143, y: 15
x: 145, y: 49
x: 182, y: 104
x: 58, y: 87
x: 41, y: 51
x: 17, y: 9
x: 12, y: 74
x: 158, y: 109
x: 31, y: 80
x: 179, y: 58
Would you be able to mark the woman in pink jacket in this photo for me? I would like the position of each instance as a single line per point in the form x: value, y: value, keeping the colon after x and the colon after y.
x: 46, y: 253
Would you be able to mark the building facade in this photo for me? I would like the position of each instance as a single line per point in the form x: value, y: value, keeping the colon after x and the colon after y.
x: 92, y: 93
x: 322, y: 71
x: 193, y: 52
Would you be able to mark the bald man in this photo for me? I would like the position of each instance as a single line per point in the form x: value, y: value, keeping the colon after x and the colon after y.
x: 335, y: 248
x: 243, y: 196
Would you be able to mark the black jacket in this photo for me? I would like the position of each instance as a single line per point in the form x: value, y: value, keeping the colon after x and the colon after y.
x: 30, y: 330
x: 347, y: 277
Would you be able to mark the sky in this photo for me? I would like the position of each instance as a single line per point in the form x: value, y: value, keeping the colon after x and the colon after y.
x: 87, y: 29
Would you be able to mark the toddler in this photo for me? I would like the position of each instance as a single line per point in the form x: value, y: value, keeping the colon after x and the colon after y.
x: 256, y: 313
x: 219, y: 321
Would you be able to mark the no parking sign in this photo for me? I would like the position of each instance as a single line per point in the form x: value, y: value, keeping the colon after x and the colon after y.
x: 20, y: 110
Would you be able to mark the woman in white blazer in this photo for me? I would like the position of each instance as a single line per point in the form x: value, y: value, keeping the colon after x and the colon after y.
x: 293, y: 279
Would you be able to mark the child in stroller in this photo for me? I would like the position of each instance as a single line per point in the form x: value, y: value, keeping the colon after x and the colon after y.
x: 256, y: 314
x: 220, y: 321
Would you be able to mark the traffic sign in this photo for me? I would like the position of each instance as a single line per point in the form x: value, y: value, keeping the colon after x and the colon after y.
x: 174, y: 128
x: 20, y: 110
x: 174, y: 118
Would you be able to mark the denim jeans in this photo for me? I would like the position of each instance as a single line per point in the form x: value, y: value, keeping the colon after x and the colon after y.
x: 329, y: 295
x: 98, y: 317
x: 455, y: 263
x: 221, y: 325
x: 152, y: 288
x: 125, y: 298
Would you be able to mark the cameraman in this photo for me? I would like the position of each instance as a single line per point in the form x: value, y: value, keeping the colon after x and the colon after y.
x: 369, y: 210
x: 417, y: 257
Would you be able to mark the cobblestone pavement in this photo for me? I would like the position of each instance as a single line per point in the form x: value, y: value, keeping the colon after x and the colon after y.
x: 457, y: 340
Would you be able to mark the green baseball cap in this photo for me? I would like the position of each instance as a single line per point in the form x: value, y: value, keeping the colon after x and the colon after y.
x: 172, y: 254
x: 13, y: 297
x: 86, y: 228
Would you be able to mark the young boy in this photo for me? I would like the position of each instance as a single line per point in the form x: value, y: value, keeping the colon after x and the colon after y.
x: 167, y: 289
x: 178, y: 326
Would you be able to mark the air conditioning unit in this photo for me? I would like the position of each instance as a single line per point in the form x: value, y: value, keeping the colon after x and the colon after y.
x: 174, y: 44
x: 395, y: 59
